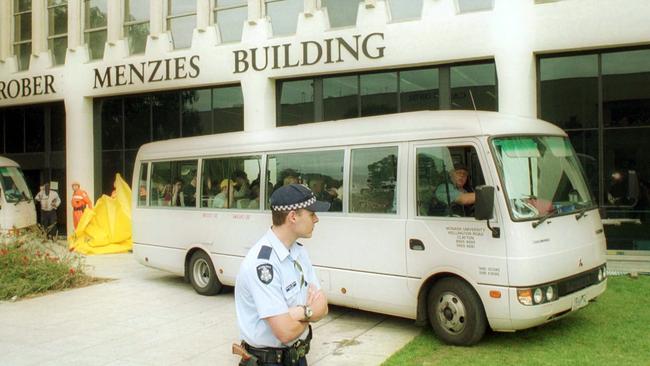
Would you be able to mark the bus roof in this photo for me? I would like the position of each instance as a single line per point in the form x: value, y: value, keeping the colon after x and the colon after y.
x: 410, y: 126
x: 7, y: 162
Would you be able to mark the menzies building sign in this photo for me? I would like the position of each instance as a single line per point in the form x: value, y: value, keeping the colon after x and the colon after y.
x: 327, y: 51
x: 147, y: 72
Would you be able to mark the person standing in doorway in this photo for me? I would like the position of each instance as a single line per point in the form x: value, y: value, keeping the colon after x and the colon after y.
x: 49, y: 201
x: 80, y: 201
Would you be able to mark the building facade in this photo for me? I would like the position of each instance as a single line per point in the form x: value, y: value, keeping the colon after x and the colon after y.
x: 84, y: 83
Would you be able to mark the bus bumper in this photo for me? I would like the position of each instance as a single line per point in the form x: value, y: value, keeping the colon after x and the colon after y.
x: 524, y: 317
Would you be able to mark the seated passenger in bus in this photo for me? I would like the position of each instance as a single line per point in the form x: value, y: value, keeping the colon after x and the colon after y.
x: 455, y: 193
x: 324, y: 193
x: 177, y: 194
x: 255, y: 196
x: 189, y: 193
x: 242, y: 185
x: 225, y: 198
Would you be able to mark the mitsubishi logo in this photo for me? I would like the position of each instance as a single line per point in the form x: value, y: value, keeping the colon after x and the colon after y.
x: 580, y: 262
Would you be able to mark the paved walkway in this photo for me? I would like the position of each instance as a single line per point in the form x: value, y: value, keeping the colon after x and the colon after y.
x: 148, y: 317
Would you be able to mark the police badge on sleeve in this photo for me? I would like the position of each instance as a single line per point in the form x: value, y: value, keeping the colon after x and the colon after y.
x: 265, y: 273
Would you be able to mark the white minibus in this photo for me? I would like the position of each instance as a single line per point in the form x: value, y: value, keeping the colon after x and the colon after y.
x: 17, y: 210
x: 397, y: 239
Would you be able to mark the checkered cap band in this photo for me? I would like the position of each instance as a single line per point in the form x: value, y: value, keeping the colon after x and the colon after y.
x: 295, y: 206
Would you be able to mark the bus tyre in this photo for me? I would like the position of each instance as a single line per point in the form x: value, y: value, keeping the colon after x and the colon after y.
x: 455, y: 312
x: 202, y: 274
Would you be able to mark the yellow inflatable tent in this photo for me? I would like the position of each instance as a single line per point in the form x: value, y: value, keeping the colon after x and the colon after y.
x: 106, y: 228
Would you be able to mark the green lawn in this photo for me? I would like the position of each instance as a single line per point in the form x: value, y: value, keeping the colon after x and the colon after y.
x: 614, y: 330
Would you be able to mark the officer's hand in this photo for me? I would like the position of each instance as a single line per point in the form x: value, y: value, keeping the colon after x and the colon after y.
x: 317, y: 300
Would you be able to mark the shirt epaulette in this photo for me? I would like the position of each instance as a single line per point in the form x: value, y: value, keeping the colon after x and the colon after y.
x: 265, y: 252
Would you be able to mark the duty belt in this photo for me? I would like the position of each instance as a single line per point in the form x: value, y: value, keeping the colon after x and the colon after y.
x: 286, y: 356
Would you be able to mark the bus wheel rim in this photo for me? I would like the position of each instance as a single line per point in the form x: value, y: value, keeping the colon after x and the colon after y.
x: 201, y: 272
x: 451, y: 313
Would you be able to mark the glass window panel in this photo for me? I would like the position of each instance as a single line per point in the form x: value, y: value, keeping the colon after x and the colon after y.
x: 626, y: 88
x: 23, y: 27
x: 480, y: 79
x: 177, y: 7
x: 226, y: 183
x: 2, y: 131
x: 373, y: 180
x: 96, y: 41
x: 95, y: 11
x: 111, y: 165
x: 111, y: 114
x: 231, y: 23
x: 166, y: 116
x: 405, y: 9
x: 227, y: 3
x: 284, y: 15
x: 22, y: 5
x: 23, y: 53
x: 296, y: 102
x: 58, y: 20
x: 342, y: 13
x: 56, y: 2
x: 322, y: 171
x: 378, y: 93
x: 197, y: 112
x: 137, y: 10
x: 465, y: 6
x: 175, y: 183
x: 143, y: 185
x: 14, y: 131
x: 181, y: 29
x: 34, y: 130
x: 129, y: 163
x: 228, y: 104
x: 419, y: 90
x: 137, y: 35
x: 59, y: 47
x: 340, y: 97
x: 585, y: 144
x: 57, y: 126
x: 569, y: 91
x: 137, y: 114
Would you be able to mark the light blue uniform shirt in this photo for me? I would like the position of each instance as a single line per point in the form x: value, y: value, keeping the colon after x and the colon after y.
x: 268, y: 284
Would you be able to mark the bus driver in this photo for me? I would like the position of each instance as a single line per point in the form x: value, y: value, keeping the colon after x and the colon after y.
x: 277, y: 294
x: 455, y: 193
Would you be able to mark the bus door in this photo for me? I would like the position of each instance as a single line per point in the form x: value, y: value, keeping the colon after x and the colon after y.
x: 442, y: 233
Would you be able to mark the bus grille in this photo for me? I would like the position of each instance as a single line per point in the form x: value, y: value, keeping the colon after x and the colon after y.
x: 577, y: 283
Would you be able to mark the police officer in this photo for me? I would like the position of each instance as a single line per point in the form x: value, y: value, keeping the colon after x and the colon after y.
x: 277, y: 294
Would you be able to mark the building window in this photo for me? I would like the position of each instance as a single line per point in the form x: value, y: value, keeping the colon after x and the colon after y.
x: 467, y: 6
x: 95, y: 27
x: 181, y: 21
x: 229, y: 16
x: 126, y: 123
x: 23, y: 32
x: 341, y: 13
x: 283, y: 15
x: 602, y: 100
x: 405, y: 9
x: 57, y: 39
x: 327, y: 98
x: 136, y: 24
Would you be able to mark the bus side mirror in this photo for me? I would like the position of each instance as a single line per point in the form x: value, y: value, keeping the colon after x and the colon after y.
x: 484, y: 204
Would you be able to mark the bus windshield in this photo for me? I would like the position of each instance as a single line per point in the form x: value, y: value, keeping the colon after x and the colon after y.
x: 542, y: 176
x: 13, y: 184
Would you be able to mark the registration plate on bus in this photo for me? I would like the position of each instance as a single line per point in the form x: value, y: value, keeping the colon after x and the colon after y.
x: 579, y: 302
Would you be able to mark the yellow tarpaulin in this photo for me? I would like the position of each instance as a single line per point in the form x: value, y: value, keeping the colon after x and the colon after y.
x: 106, y: 228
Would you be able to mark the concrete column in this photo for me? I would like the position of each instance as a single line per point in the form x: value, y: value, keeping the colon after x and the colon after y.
x: 514, y: 57
x: 203, y: 9
x: 79, y: 151
x: 157, y: 17
x: 115, y: 13
x: 309, y: 7
x: 259, y: 113
x: 6, y: 13
x: 75, y: 22
x: 39, y: 26
x: 255, y: 10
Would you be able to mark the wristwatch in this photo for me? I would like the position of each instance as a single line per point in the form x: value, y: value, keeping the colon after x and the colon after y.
x: 308, y: 311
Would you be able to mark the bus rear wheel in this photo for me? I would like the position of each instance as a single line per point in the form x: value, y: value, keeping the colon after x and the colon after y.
x: 202, y: 274
x: 456, y: 313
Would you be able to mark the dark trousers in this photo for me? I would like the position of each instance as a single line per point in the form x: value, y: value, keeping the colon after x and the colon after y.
x: 48, y: 221
x: 301, y: 362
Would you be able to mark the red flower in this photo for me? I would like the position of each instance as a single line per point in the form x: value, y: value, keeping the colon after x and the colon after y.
x: 72, y: 271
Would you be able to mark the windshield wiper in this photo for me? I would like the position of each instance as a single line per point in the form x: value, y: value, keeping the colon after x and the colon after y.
x: 583, y: 212
x: 544, y: 218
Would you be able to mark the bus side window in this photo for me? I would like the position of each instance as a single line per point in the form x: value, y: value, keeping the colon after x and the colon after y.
x: 142, y: 185
x: 231, y: 183
x: 321, y: 171
x: 373, y: 183
x: 173, y: 183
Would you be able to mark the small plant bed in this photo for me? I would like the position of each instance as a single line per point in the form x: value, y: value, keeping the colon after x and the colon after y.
x: 31, y: 265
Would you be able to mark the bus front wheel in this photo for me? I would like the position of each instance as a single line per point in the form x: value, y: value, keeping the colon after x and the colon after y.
x: 202, y: 274
x: 455, y: 312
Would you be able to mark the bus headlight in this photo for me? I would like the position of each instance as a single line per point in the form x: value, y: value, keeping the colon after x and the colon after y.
x: 600, y: 274
x: 525, y: 296
x: 550, y: 293
x: 538, y: 296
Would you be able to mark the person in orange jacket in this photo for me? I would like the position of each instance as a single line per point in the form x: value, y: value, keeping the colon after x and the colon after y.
x: 80, y: 201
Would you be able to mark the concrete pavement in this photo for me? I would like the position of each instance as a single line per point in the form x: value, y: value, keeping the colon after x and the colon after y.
x: 148, y: 317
